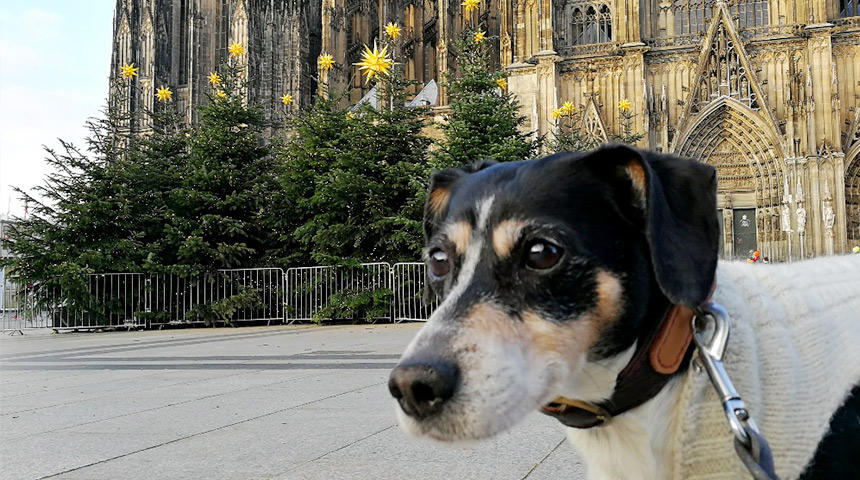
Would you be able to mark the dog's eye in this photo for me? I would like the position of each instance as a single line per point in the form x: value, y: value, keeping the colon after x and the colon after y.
x: 542, y: 255
x: 439, y: 264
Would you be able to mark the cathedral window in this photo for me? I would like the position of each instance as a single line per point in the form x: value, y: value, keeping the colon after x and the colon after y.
x: 582, y: 23
x: 183, y: 41
x: 591, y: 24
x: 849, y: 8
x: 691, y: 17
x: 223, y: 39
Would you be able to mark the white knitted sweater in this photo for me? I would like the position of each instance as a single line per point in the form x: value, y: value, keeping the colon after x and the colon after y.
x: 793, y: 355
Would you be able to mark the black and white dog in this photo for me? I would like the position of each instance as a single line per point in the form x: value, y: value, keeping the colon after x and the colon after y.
x: 556, y: 276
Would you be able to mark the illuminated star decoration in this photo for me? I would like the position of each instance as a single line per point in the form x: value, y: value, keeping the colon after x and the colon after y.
x: 557, y: 113
x: 325, y: 62
x: 214, y: 78
x: 471, y: 5
x: 479, y: 36
x: 164, y: 94
x: 221, y: 94
x: 567, y: 108
x: 624, y: 105
x: 350, y: 115
x: 502, y: 83
x: 287, y: 99
x: 393, y: 30
x: 128, y: 71
x: 375, y: 62
x: 236, y: 49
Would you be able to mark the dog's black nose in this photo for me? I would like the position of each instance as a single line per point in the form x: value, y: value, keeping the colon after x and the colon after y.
x: 422, y: 388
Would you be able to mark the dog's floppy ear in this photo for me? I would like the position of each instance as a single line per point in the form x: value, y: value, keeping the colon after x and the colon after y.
x: 441, y: 185
x: 679, y: 198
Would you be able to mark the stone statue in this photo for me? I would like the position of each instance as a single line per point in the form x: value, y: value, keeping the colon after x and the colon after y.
x: 829, y: 218
x: 801, y: 218
x: 786, y: 218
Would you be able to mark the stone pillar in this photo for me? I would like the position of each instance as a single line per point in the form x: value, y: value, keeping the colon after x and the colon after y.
x: 505, y: 47
x: 627, y: 18
x: 817, y: 11
x: 634, y: 87
x: 547, y: 88
x: 546, y: 26
x: 820, y: 81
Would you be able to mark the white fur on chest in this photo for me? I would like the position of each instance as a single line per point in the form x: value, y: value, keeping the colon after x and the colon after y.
x: 634, y: 445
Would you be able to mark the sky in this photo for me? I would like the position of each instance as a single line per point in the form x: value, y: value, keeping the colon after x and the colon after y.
x: 54, y: 67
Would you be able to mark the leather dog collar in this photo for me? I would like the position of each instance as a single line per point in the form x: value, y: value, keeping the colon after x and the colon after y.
x: 652, y: 365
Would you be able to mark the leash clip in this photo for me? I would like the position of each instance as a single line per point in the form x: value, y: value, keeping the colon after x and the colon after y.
x: 712, y: 317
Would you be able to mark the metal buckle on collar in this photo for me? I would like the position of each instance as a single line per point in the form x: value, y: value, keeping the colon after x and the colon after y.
x: 712, y: 316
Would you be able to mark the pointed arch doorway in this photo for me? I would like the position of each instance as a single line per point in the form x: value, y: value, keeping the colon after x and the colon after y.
x: 730, y: 136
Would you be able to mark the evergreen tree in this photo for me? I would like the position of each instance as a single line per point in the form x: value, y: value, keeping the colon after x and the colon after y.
x: 485, y: 120
x: 355, y: 179
x: 220, y: 207
x: 627, y: 135
x: 567, y: 135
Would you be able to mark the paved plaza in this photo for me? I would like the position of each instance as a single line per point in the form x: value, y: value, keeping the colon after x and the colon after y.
x: 300, y: 402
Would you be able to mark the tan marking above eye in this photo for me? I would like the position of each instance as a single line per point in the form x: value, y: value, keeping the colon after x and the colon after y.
x: 438, y: 200
x: 459, y: 234
x: 505, y: 236
x: 609, y: 292
x: 637, y: 176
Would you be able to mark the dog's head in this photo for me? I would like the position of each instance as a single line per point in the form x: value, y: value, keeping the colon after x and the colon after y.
x: 546, y: 267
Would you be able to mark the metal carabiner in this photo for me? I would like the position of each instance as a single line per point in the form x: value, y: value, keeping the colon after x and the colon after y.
x: 712, y: 315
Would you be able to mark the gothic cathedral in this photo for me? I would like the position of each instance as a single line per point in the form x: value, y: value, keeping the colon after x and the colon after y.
x: 766, y: 91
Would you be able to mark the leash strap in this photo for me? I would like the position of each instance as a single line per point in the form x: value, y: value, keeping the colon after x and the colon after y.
x: 750, y: 446
x: 757, y: 456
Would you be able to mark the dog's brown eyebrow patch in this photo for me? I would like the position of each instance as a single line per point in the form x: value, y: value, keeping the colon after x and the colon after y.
x: 505, y: 236
x: 637, y: 176
x: 609, y: 293
x: 438, y: 200
x: 459, y: 234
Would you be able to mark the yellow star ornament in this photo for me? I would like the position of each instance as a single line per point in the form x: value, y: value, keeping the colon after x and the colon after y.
x: 470, y: 5
x: 624, y: 105
x: 325, y: 62
x: 221, y: 94
x: 287, y: 99
x: 502, y: 83
x: 214, y: 79
x: 375, y: 62
x: 557, y: 113
x: 236, y: 49
x: 567, y: 108
x: 392, y: 30
x: 128, y: 71
x: 163, y: 94
x: 479, y: 36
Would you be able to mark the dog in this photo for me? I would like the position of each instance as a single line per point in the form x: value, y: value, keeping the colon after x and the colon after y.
x: 557, y: 278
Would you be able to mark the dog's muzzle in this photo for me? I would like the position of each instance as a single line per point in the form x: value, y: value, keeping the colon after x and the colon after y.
x: 422, y: 388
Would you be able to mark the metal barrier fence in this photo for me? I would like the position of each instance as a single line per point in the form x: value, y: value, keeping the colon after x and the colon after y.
x: 369, y: 292
x: 339, y: 292
x: 226, y: 296
x: 408, y: 280
x: 137, y: 300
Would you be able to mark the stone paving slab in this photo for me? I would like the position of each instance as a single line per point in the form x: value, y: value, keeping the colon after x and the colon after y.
x: 297, y: 402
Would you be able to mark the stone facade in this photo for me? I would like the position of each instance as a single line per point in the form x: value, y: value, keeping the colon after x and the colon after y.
x: 178, y: 42
x: 766, y: 91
